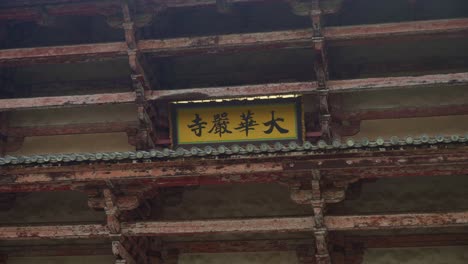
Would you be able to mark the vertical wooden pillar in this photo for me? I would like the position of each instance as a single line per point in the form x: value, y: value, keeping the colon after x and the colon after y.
x: 322, y: 254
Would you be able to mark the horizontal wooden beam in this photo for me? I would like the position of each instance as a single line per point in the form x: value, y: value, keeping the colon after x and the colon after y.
x: 66, y: 101
x: 425, y: 162
x: 54, y: 231
x: 223, y: 43
x: 233, y: 91
x: 232, y: 226
x: 398, y: 221
x: 62, y: 54
x: 298, y: 224
x: 335, y: 86
x: 387, y: 30
x: 242, y: 226
x: 232, y: 42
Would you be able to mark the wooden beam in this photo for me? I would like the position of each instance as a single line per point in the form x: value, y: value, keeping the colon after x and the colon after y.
x: 233, y: 91
x: 398, y: 221
x: 223, y: 43
x: 54, y: 231
x: 398, y: 163
x: 394, y: 30
x: 233, y: 42
x: 296, y: 224
x: 336, y: 86
x: 62, y: 54
x: 65, y: 101
x: 232, y: 226
x: 242, y: 226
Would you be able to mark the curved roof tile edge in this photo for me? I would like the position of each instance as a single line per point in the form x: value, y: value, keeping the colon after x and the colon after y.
x: 234, y: 150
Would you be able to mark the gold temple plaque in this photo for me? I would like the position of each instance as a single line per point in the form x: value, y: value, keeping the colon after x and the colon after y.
x: 237, y: 121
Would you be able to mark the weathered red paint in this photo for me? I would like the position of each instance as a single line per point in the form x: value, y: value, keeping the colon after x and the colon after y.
x: 222, y: 43
x: 231, y: 226
x: 63, y: 101
x: 389, y: 82
x: 62, y: 53
x: 234, y: 91
x: 399, y: 221
x: 53, y: 231
x: 241, y: 226
x: 345, y: 166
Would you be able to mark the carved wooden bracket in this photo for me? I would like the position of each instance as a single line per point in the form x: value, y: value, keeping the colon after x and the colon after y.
x: 331, y: 190
x: 128, y: 250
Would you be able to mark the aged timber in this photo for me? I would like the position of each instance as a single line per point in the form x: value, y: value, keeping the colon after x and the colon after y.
x: 241, y: 226
x: 335, y: 86
x: 234, y: 42
x: 346, y: 166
